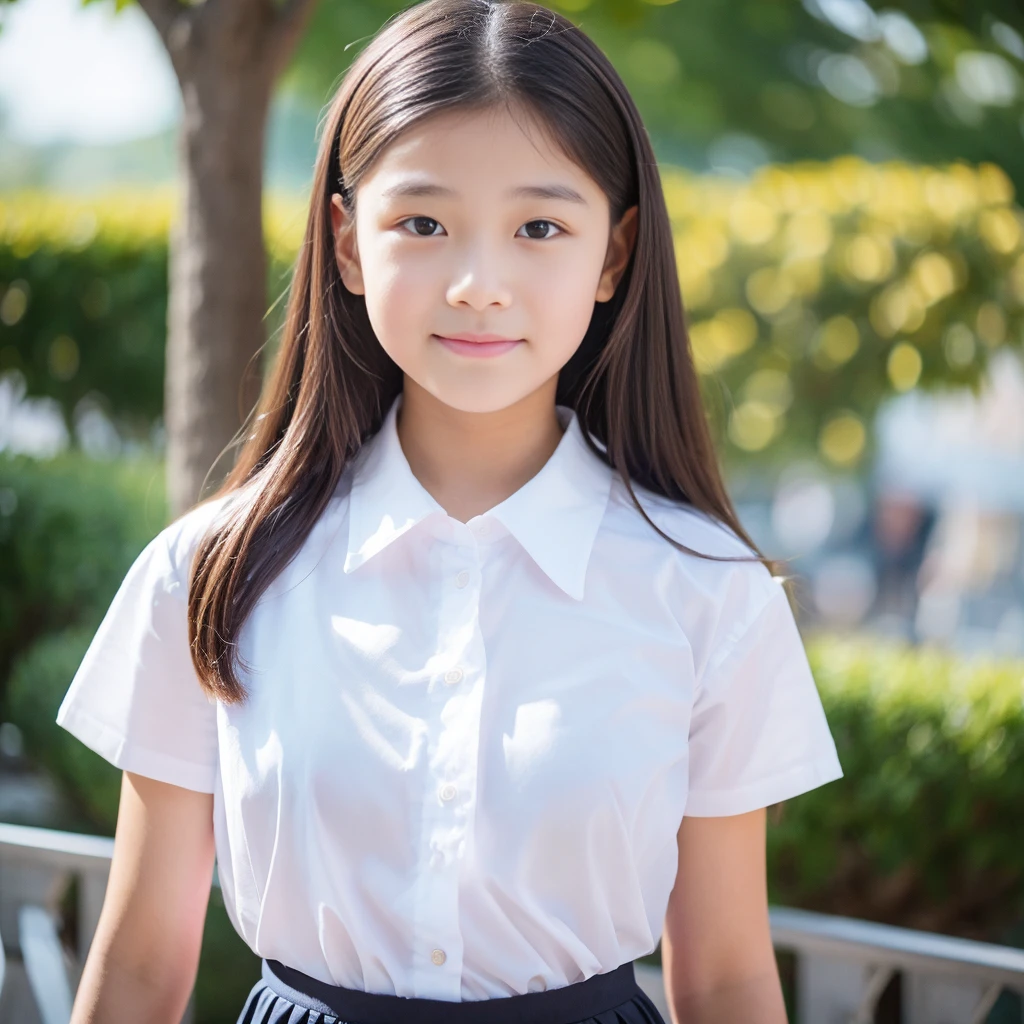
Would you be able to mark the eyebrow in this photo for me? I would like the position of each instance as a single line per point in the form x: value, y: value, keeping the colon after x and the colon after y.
x: 418, y: 189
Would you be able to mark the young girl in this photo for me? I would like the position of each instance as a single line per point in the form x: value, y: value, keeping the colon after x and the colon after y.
x: 468, y: 674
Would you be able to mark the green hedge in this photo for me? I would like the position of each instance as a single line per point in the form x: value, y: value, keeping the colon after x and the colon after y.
x: 84, y: 304
x: 813, y: 291
x: 924, y: 830
x: 83, y: 297
x: 35, y: 688
x: 69, y: 529
x: 227, y: 967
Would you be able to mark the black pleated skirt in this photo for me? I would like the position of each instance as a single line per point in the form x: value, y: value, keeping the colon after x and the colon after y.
x: 286, y: 996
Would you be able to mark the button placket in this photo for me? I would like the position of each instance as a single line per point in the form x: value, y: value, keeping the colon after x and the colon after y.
x: 453, y: 733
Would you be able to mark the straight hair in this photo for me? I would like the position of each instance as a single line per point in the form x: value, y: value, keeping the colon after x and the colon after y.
x: 632, y: 381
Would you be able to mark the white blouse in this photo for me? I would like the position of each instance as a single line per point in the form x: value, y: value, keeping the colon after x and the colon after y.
x: 468, y: 746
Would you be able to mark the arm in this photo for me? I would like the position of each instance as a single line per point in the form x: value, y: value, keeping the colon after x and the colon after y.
x: 142, y: 962
x: 716, y: 948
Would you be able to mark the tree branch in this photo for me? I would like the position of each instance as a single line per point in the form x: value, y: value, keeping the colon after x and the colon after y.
x: 292, y: 18
x: 164, y: 14
x: 292, y: 10
x: 175, y: 23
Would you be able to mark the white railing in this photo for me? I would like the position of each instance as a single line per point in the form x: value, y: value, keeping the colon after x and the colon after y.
x: 843, y: 965
x: 38, y: 973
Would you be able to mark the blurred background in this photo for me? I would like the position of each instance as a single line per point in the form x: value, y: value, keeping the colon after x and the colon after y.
x: 843, y: 181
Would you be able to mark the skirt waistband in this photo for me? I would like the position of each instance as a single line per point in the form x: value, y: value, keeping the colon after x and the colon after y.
x: 575, y: 1002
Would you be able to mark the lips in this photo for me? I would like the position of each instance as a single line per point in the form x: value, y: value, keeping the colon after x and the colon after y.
x: 478, y: 345
x: 478, y: 338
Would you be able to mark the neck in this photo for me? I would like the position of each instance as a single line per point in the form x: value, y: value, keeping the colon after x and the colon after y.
x: 471, y: 461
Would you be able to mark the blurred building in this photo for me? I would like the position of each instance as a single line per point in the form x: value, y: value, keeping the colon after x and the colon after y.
x: 928, y: 546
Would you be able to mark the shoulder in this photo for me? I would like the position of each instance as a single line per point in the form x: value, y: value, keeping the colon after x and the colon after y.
x: 683, y: 522
x: 172, y: 549
x: 700, y: 531
x: 719, y: 581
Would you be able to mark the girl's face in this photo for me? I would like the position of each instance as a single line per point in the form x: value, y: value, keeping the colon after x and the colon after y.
x: 476, y: 225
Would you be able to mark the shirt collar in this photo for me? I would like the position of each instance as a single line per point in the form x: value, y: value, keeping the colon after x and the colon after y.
x: 555, y: 515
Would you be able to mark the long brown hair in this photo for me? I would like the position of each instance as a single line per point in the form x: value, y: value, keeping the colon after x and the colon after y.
x: 632, y: 381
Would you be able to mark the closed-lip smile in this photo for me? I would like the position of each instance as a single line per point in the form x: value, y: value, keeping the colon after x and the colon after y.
x: 477, y: 345
x: 477, y: 338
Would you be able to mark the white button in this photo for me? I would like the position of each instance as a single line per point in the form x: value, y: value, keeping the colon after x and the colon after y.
x: 462, y: 579
x: 483, y: 527
x: 437, y: 956
x: 448, y: 791
x: 453, y: 676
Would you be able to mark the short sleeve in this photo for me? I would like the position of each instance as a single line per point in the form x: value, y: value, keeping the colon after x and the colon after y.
x: 135, y: 698
x: 758, y: 732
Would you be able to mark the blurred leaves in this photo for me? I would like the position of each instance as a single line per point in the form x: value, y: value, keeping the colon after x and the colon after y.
x: 83, y: 301
x: 83, y: 297
x: 740, y: 83
x: 923, y: 830
x: 832, y: 284
x: 815, y: 290
x: 735, y: 84
x: 69, y: 529
x: 812, y: 292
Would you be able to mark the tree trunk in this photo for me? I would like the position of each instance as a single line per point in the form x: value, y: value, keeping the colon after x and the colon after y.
x: 217, y: 279
x: 227, y: 55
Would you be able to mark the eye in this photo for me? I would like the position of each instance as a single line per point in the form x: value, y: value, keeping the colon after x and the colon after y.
x: 541, y: 223
x: 422, y: 222
x: 425, y: 227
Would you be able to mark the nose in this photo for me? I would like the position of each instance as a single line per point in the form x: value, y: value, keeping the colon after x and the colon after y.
x: 479, y: 280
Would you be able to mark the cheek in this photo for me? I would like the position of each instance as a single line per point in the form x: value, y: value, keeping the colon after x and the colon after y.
x: 400, y: 294
x: 561, y: 299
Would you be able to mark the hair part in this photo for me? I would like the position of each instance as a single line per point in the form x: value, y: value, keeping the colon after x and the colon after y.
x: 632, y: 381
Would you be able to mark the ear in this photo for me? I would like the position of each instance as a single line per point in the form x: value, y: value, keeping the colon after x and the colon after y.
x: 346, y: 253
x: 620, y: 247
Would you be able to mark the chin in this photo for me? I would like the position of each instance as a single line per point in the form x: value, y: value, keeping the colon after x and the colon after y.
x: 478, y: 399
x: 478, y: 404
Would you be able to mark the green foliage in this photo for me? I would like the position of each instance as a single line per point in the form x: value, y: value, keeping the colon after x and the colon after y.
x: 83, y: 297
x: 36, y: 686
x: 816, y: 290
x: 84, y: 307
x: 227, y: 967
x: 813, y: 291
x: 975, y: 19
x: 924, y: 829
x: 773, y: 73
x: 69, y: 529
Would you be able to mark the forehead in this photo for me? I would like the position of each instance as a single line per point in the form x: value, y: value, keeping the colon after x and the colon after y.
x: 478, y: 151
